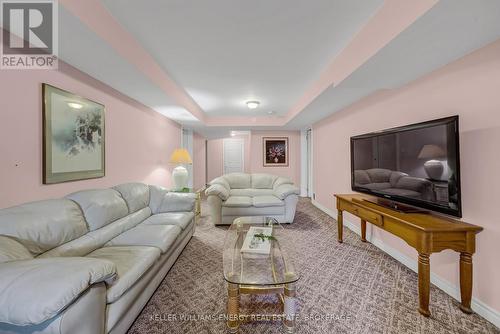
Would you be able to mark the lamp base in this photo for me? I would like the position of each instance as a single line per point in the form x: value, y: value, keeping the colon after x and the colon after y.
x: 180, y: 177
x: 434, y: 169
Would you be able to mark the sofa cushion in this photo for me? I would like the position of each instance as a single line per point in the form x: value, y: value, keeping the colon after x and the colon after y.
x: 250, y: 192
x: 238, y: 201
x: 361, y: 177
x: 379, y: 175
x: 159, y: 236
x: 101, y: 206
x: 265, y: 201
x: 40, y: 226
x: 11, y: 250
x: 34, y: 291
x: 136, y: 195
x: 177, y: 202
x: 96, y: 239
x: 253, y: 211
x: 181, y: 219
x: 131, y: 263
x: 263, y: 181
x: 238, y: 180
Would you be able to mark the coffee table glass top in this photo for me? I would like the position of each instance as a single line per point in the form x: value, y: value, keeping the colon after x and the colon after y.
x: 256, y: 253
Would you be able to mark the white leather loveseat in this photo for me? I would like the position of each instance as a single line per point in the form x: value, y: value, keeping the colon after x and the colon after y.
x: 88, y: 263
x: 241, y: 194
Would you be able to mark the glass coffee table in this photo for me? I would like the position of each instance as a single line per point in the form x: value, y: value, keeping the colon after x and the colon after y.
x: 256, y: 261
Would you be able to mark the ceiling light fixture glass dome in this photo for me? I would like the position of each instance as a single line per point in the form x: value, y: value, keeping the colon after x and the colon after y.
x: 253, y: 104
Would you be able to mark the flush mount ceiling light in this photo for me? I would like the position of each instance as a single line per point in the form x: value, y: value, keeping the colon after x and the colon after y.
x: 75, y: 105
x: 253, y: 104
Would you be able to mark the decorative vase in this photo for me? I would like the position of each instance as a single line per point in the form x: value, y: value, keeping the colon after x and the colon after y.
x: 276, y: 160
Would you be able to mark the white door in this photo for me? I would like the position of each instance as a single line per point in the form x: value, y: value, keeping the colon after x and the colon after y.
x: 233, y: 155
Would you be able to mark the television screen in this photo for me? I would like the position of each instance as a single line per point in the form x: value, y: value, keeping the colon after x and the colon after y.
x: 416, y: 164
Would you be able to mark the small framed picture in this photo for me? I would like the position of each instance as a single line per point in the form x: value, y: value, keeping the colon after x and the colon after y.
x: 275, y: 151
x: 73, y: 137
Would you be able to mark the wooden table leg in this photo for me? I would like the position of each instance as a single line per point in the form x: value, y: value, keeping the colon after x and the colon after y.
x: 233, y: 307
x: 363, y: 230
x: 340, y: 225
x: 289, y: 308
x: 424, y: 284
x: 466, y: 281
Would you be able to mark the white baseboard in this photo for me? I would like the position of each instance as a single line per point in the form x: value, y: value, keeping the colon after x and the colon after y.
x: 477, y: 306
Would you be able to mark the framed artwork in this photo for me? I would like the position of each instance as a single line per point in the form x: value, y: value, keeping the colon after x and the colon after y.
x: 73, y: 137
x: 275, y: 151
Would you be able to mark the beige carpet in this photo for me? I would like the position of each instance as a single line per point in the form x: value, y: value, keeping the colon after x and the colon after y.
x: 344, y: 288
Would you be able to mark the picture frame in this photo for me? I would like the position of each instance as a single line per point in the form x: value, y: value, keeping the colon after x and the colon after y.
x: 73, y: 137
x: 275, y: 151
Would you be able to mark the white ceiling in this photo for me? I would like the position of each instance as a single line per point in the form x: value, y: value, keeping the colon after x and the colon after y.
x: 450, y: 30
x: 223, y: 52
x: 83, y: 49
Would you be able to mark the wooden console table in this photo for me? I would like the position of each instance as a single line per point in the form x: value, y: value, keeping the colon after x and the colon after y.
x: 427, y: 233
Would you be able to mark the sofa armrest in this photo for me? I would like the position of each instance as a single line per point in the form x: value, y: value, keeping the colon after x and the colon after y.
x: 218, y: 190
x: 34, y: 291
x: 177, y: 202
x: 285, y: 190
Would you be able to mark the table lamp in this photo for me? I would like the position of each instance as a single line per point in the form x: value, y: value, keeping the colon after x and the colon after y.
x: 433, y: 168
x: 180, y: 174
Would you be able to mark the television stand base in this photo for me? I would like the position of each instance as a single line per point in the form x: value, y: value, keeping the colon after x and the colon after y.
x: 392, y: 205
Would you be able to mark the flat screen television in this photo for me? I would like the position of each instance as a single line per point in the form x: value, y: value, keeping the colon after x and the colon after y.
x: 417, y: 165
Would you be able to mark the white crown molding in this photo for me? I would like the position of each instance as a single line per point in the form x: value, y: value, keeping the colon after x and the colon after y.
x: 452, y: 290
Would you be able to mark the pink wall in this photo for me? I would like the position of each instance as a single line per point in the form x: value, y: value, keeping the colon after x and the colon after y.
x: 215, y: 166
x: 199, y: 155
x: 138, y: 140
x: 215, y: 152
x: 468, y: 88
x: 256, y: 161
x: 253, y: 155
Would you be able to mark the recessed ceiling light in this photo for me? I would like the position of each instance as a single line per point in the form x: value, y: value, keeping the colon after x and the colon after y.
x: 253, y: 104
x: 271, y: 112
x: 75, y: 105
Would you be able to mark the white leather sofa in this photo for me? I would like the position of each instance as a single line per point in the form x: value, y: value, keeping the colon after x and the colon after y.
x: 241, y: 194
x: 88, y: 263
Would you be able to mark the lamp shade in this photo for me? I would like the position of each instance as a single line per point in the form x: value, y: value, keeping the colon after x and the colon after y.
x: 180, y: 156
x: 431, y: 151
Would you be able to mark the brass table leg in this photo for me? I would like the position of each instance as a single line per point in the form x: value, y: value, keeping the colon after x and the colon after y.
x: 423, y: 284
x: 340, y: 225
x: 233, y: 307
x: 466, y: 281
x: 289, y: 308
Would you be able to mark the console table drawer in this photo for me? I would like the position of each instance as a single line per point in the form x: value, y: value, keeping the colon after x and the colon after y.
x: 369, y: 216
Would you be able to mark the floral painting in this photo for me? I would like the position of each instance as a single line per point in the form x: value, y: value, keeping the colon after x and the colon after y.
x: 275, y: 151
x: 73, y: 137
